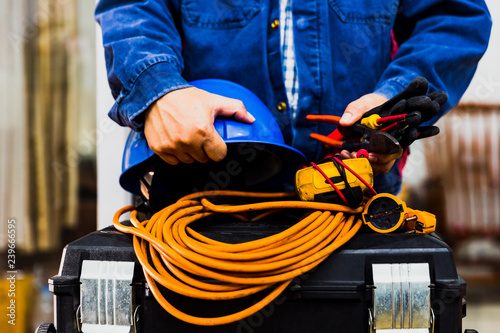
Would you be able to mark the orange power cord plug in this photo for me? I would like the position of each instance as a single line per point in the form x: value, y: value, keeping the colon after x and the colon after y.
x: 177, y: 252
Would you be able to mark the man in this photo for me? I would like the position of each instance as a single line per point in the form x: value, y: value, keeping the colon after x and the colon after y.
x: 299, y: 57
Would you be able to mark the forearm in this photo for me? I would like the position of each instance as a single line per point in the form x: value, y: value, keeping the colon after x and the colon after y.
x: 143, y: 55
x: 441, y: 41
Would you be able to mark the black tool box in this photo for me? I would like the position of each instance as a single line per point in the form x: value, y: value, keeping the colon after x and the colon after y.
x: 373, y: 282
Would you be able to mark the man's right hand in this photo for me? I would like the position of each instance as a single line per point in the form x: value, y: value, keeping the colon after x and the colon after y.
x: 179, y: 126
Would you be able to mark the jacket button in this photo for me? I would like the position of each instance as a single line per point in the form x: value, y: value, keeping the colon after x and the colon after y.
x: 275, y: 24
x: 282, y: 106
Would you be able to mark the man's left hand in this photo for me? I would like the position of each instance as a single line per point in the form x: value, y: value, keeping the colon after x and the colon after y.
x: 381, y: 163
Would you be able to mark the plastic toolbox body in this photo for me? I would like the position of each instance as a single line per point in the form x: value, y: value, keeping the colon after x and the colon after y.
x: 334, y: 297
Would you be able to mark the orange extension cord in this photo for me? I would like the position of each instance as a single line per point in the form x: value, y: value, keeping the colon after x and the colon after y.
x: 244, y: 269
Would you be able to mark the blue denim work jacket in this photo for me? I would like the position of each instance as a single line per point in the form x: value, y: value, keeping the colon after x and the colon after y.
x: 343, y: 51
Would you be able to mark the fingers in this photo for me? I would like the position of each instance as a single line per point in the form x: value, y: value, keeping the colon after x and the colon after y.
x: 229, y: 107
x: 190, y: 155
x: 199, y: 155
x: 179, y: 127
x: 215, y: 147
x: 356, y: 109
x: 382, y: 163
x: 170, y: 159
x: 176, y: 156
x: 382, y: 168
x: 189, y: 151
x: 347, y: 154
x: 352, y: 113
x: 185, y: 158
x: 439, y: 96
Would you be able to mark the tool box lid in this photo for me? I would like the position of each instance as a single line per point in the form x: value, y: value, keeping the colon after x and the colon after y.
x: 346, y: 273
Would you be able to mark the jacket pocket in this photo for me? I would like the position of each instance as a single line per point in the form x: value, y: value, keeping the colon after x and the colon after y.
x: 365, y: 11
x: 219, y: 14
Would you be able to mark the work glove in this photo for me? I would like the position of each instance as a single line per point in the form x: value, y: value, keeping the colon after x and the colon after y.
x: 413, y: 100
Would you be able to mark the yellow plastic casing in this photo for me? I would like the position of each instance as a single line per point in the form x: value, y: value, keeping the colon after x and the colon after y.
x: 401, y: 217
x: 417, y: 221
x: 427, y: 220
x: 310, y: 182
x: 371, y: 121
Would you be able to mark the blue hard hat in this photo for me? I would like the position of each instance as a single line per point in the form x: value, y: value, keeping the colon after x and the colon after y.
x: 260, y: 146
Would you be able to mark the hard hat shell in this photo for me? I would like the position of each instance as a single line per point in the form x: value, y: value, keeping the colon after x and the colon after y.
x: 264, y: 135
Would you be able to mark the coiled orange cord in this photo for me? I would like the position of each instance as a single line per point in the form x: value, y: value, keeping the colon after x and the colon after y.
x: 244, y: 269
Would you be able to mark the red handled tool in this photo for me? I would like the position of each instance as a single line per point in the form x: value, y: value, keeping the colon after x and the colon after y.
x: 400, y: 121
x: 369, y: 139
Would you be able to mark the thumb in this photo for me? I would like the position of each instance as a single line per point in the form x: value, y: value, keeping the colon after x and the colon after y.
x: 230, y: 107
x: 356, y: 109
x: 352, y: 113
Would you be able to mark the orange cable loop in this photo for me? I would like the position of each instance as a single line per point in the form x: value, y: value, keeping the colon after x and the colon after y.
x: 170, y: 252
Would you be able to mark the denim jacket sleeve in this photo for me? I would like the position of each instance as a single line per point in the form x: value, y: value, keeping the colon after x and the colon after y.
x: 143, y: 55
x: 441, y: 40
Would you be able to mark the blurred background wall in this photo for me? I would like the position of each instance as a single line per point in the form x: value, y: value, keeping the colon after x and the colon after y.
x: 61, y: 155
x: 47, y: 142
x: 457, y: 173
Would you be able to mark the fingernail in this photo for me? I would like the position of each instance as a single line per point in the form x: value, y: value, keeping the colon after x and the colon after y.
x: 252, y: 118
x: 345, y: 118
x: 372, y: 158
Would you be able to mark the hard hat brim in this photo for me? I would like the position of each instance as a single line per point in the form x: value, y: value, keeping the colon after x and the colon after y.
x: 288, y: 157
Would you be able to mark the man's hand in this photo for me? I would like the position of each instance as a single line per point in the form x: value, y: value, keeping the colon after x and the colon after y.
x: 179, y: 126
x: 381, y: 163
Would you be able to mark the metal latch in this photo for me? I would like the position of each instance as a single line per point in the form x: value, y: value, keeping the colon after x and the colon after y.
x: 106, y: 297
x: 401, y: 299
